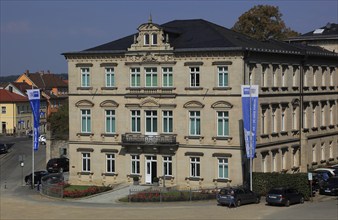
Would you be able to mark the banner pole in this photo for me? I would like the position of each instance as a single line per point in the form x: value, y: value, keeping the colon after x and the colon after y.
x: 250, y: 138
x: 33, y: 160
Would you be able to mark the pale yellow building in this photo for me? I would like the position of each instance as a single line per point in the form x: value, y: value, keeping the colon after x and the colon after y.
x: 166, y: 101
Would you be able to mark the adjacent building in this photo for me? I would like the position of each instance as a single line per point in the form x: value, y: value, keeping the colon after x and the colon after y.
x: 166, y: 102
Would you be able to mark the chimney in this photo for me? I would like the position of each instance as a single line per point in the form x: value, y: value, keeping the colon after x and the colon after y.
x: 27, y: 72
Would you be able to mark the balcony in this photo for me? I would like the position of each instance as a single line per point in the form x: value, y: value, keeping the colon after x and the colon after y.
x: 149, y: 140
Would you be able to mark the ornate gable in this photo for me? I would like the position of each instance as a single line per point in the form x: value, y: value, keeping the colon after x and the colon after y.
x: 150, y: 37
x: 149, y: 102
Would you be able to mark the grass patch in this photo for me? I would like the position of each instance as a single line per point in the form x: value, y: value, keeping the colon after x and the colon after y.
x: 76, y: 187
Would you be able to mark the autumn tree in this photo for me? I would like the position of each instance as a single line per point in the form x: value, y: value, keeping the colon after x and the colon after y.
x: 263, y: 22
x: 59, y: 123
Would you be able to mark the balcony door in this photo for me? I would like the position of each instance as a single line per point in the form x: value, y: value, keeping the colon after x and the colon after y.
x: 151, y: 122
x: 151, y: 169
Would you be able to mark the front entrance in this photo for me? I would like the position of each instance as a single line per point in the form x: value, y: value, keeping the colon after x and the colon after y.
x: 151, y: 168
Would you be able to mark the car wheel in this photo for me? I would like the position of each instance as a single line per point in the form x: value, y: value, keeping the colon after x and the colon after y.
x: 301, y: 200
x: 238, y: 203
x: 287, y: 203
x: 257, y: 200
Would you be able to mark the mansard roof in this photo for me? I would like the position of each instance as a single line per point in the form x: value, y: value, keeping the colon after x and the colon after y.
x: 200, y: 35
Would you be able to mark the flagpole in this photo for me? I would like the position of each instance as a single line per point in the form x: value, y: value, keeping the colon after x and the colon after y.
x: 33, y: 159
x: 250, y: 137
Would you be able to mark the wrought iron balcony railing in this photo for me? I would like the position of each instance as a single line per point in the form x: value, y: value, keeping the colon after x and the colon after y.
x: 139, y: 139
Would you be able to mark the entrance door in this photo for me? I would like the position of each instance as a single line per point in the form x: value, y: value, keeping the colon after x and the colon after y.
x: 151, y: 168
x: 3, y: 127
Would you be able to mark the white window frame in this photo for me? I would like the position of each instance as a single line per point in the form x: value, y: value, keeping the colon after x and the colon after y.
x: 86, y: 117
x: 110, y: 122
x: 85, y: 77
x: 152, y: 73
x: 283, y: 119
x: 136, y: 116
x: 167, y: 121
x: 146, y: 39
x: 223, y: 76
x: 223, y: 118
x: 195, y: 77
x: 152, y: 117
x: 167, y: 75
x: 3, y: 109
x: 167, y: 165
x: 110, y: 163
x: 223, y: 162
x: 135, y: 77
x: 110, y: 77
x: 135, y: 164
x: 194, y: 119
x: 195, y: 166
x: 86, y: 162
x: 154, y: 40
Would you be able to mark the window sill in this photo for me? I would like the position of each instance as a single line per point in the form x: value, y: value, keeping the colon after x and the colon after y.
x: 194, y: 137
x: 82, y: 173
x: 167, y: 177
x: 84, y: 88
x: 222, y: 88
x: 222, y: 180
x: 109, y: 88
x: 85, y: 134
x: 193, y: 88
x: 109, y: 174
x: 264, y: 135
x: 109, y: 135
x: 194, y: 178
x: 222, y: 138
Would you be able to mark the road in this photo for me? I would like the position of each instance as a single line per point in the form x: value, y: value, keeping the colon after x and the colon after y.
x: 22, y: 202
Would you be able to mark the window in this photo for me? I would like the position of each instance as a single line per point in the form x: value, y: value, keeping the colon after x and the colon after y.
x: 314, y: 159
x: 284, y: 72
x: 295, y: 158
x: 223, y: 76
x: 223, y: 168
x: 223, y: 123
x: 194, y: 76
x: 151, y: 121
x: 110, y: 121
x: 330, y: 150
x: 194, y: 123
x: 264, y: 163
x: 264, y: 75
x: 273, y: 120
x: 85, y: 77
x: 110, y: 77
x: 294, y: 76
x: 167, y: 166
x: 194, y: 167
x: 283, y: 120
x: 305, y: 122
x: 322, y: 112
x: 314, y: 117
x: 135, y: 77
x: 151, y: 77
x: 135, y: 164
x: 135, y: 121
x: 3, y: 109
x: 274, y: 76
x: 332, y: 77
x: 110, y: 158
x: 264, y: 121
x: 274, y: 162
x: 322, y: 151
x: 167, y: 76
x: 314, y: 77
x: 294, y: 118
x: 85, y: 121
x: 167, y: 121
x: 146, y: 39
x: 323, y: 77
x: 86, y: 162
x: 331, y: 114
x: 284, y: 160
x: 154, y: 39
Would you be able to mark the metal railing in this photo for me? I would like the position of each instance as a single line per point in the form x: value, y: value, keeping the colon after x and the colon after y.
x: 52, y: 185
x: 148, y: 139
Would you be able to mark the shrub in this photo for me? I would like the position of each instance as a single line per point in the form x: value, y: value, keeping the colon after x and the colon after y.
x: 136, y: 178
x: 90, y: 190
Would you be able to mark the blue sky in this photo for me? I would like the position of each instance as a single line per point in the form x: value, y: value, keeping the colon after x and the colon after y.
x: 34, y: 33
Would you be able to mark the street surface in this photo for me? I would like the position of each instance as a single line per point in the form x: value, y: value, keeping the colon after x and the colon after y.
x: 21, y: 202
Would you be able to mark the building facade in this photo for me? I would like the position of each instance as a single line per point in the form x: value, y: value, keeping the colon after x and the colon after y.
x: 166, y: 102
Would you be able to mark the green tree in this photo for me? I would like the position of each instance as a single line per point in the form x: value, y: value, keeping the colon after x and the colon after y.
x: 59, y: 123
x: 263, y: 22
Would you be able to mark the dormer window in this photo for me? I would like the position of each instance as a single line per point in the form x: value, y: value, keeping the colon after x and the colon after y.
x: 146, y: 39
x: 154, y: 39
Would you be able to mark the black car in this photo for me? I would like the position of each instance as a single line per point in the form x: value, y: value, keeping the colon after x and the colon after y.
x: 37, y: 177
x: 60, y: 165
x: 237, y: 196
x: 284, y: 196
x: 3, y: 149
x: 330, y: 187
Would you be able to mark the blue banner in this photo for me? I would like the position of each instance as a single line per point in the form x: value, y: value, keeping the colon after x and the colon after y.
x: 250, y: 112
x: 34, y: 99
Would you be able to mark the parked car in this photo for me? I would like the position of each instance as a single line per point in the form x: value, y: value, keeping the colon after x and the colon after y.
x: 330, y: 171
x: 3, y: 148
x: 30, y: 134
x: 37, y: 177
x: 42, y: 139
x: 237, y: 196
x: 58, y: 165
x: 330, y: 187
x: 284, y: 196
x: 53, y: 178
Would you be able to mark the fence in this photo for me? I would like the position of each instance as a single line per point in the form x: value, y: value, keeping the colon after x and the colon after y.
x: 52, y: 185
x: 171, y: 194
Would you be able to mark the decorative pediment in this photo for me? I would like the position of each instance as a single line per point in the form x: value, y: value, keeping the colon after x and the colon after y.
x: 84, y: 103
x: 149, y: 102
x: 109, y: 103
x: 222, y: 104
x: 193, y: 104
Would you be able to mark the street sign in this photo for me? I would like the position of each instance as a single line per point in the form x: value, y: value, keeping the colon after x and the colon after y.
x: 309, y: 176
